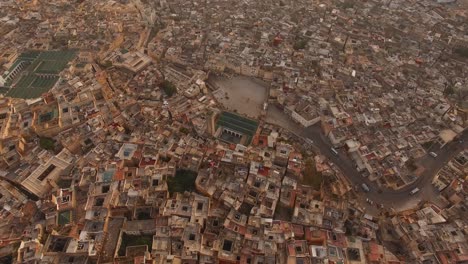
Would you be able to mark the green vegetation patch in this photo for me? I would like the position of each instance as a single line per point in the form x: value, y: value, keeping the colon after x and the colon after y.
x: 134, y: 240
x: 411, y: 164
x: 347, y: 4
x: 168, y: 88
x: 64, y: 218
x: 283, y: 212
x: 427, y: 145
x: 184, y: 180
x: 463, y: 52
x: 47, y: 143
x: 311, y: 176
x: 300, y: 44
x: 184, y: 130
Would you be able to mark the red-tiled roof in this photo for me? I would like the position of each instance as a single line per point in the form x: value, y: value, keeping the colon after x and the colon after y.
x: 119, y: 175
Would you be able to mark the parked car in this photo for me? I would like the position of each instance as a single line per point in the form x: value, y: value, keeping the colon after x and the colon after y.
x: 334, y: 151
x: 414, y: 191
x: 365, y: 187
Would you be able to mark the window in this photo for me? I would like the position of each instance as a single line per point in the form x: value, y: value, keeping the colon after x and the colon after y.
x: 155, y: 182
x: 105, y: 188
x: 227, y: 245
x: 99, y: 202
x: 66, y: 199
x: 298, y: 249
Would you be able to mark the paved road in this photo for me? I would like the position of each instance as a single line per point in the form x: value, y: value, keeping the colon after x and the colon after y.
x: 397, y: 199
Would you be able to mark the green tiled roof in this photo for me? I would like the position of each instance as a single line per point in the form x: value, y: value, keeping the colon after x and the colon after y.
x: 33, y: 82
x: 238, y: 123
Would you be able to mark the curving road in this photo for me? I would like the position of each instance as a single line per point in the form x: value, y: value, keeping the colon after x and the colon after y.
x: 397, y: 199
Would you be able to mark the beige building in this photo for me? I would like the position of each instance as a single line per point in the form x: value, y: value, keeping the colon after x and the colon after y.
x: 44, y: 177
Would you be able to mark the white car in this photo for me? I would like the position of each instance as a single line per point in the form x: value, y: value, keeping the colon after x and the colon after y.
x: 433, y: 154
x: 365, y: 187
x: 414, y: 191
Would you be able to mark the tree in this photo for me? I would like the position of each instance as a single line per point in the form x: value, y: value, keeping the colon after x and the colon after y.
x: 184, y: 130
x: 449, y: 90
x: 411, y: 164
x: 311, y: 176
x: 463, y: 52
x: 47, y: 143
x: 184, y: 180
x: 168, y: 88
x: 300, y: 44
x: 107, y: 64
x: 461, y: 94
